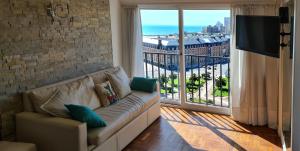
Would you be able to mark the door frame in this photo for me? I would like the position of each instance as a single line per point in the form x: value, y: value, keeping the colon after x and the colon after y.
x: 180, y: 7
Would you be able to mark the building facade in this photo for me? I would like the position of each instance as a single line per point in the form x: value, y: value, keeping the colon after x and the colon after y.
x: 199, y: 51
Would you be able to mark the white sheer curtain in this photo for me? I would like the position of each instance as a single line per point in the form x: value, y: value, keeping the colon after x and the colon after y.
x: 254, y: 77
x: 132, y: 55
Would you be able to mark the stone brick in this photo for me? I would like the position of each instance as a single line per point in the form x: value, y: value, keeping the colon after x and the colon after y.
x: 34, y: 51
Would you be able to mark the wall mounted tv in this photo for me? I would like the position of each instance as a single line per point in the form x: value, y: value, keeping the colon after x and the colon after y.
x: 259, y: 34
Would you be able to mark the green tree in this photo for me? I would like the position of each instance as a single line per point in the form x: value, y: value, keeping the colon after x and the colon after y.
x: 163, y: 81
x: 206, y: 76
x: 193, y: 83
x: 221, y: 87
x: 173, y: 77
x: 220, y: 82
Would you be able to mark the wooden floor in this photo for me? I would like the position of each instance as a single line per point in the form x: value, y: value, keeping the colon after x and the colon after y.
x: 181, y: 130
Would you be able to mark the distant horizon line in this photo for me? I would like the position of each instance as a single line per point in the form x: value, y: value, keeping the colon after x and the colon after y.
x: 175, y: 25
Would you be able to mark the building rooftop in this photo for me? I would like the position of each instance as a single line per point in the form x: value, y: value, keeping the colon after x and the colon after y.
x: 194, y: 40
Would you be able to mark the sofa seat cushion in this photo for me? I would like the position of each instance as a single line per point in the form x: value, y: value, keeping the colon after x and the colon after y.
x: 148, y: 98
x: 119, y: 114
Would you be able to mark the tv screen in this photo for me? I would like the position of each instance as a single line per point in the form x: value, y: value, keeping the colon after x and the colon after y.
x: 259, y: 34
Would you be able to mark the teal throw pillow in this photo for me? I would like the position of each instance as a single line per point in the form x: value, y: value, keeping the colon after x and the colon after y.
x: 143, y: 84
x: 85, y: 114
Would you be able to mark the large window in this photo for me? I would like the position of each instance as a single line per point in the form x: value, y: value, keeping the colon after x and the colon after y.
x: 206, y: 52
x: 207, y: 48
x: 160, y: 47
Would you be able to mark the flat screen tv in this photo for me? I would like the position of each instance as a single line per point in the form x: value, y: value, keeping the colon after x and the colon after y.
x: 259, y: 34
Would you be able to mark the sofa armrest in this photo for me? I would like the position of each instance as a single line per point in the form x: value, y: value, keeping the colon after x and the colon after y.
x: 51, y: 133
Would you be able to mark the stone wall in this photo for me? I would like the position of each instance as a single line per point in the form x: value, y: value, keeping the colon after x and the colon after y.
x: 36, y: 50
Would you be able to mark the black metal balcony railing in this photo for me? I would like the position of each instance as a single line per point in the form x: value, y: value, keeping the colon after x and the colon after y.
x: 207, y: 78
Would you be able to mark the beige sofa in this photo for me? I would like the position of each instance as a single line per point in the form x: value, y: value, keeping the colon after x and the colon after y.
x: 126, y: 119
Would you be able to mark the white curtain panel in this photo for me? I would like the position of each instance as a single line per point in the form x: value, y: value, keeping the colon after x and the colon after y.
x: 254, y: 77
x: 286, y: 78
x: 132, y: 54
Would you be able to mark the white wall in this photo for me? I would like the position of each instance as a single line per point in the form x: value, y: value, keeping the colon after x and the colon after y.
x: 115, y: 14
x: 296, y: 83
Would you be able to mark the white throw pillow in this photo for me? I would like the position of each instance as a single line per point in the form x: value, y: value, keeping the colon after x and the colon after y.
x: 82, y: 92
x: 120, y: 82
x: 55, y: 105
x: 39, y: 97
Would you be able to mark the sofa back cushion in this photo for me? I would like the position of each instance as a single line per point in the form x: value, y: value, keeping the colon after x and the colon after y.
x: 100, y: 77
x: 45, y: 92
x: 79, y: 92
x: 120, y: 82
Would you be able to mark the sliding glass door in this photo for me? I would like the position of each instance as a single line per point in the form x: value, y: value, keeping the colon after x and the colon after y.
x: 207, y: 49
x: 188, y: 52
x: 161, y: 48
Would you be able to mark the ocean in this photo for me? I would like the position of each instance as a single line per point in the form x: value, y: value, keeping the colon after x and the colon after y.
x: 166, y: 30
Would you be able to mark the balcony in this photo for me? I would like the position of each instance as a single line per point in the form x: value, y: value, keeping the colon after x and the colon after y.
x: 207, y: 79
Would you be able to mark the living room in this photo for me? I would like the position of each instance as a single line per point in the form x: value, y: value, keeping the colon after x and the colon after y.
x: 100, y: 75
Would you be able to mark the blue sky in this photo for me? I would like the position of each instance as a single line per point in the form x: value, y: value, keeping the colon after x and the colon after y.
x: 191, y: 17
